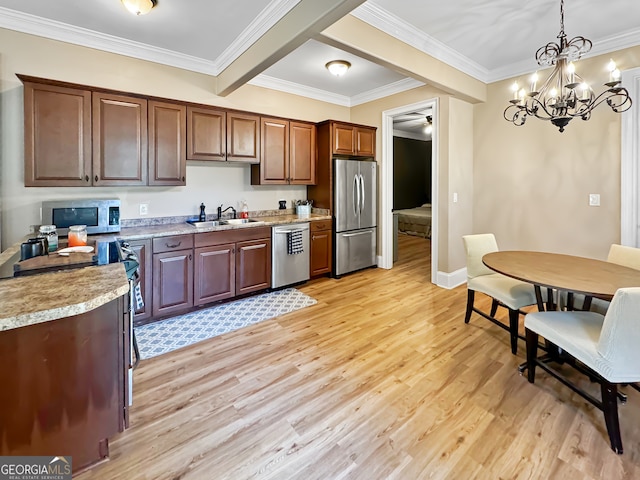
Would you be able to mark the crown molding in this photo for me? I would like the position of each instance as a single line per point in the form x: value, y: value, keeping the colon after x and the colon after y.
x: 385, y: 91
x: 273, y: 83
x: 34, y: 25
x: 391, y: 25
x: 271, y: 15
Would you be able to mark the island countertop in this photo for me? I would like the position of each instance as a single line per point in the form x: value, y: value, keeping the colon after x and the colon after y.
x: 49, y: 296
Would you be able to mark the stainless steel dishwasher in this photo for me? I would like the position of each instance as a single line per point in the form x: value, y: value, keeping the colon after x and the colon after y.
x: 290, y: 254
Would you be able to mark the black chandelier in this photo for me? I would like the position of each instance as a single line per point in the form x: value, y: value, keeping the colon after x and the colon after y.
x: 564, y: 95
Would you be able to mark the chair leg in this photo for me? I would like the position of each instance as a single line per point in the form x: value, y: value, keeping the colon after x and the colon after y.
x: 494, y: 307
x: 513, y: 329
x: 610, y: 409
x: 470, y: 297
x: 532, y: 353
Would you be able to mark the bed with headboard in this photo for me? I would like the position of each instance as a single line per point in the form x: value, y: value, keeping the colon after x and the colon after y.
x: 415, y: 221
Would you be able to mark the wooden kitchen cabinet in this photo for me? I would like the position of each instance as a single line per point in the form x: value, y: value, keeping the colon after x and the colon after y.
x: 172, y: 274
x: 288, y: 153
x: 349, y: 139
x: 119, y: 139
x: 253, y: 265
x: 207, y: 134
x: 65, y: 385
x: 142, y: 248
x: 167, y: 143
x: 243, y: 137
x: 215, y: 273
x: 52, y: 113
x: 320, y: 247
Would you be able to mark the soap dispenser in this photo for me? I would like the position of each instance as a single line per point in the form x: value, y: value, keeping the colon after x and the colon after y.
x: 245, y: 210
x: 203, y: 216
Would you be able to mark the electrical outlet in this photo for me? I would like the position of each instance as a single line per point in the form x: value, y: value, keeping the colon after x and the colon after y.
x: 455, y: 197
x: 144, y: 209
x: 594, y: 199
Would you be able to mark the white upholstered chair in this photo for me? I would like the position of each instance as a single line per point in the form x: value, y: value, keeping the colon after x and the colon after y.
x: 606, y: 345
x: 618, y: 254
x: 505, y: 291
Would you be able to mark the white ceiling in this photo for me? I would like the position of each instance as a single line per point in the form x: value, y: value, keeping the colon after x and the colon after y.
x: 490, y: 40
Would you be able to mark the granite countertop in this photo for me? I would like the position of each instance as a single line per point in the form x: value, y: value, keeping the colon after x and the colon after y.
x: 40, y: 298
x: 183, y: 228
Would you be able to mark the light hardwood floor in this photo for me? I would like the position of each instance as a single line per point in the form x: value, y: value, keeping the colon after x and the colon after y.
x: 381, y: 379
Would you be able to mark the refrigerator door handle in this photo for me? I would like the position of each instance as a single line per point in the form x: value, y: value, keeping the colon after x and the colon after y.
x: 356, y: 195
x: 362, y: 189
x: 347, y: 235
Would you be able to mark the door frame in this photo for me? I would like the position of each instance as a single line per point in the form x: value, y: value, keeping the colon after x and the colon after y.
x: 386, y: 181
x: 629, y: 155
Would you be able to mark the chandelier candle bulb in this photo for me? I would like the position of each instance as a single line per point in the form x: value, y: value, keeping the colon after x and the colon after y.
x: 515, y: 89
x: 571, y: 69
x: 534, y: 81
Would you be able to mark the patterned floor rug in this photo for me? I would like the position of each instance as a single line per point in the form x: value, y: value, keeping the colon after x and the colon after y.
x: 164, y: 336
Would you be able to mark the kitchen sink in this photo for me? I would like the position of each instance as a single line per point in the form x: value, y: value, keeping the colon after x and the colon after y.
x: 240, y: 221
x: 207, y: 224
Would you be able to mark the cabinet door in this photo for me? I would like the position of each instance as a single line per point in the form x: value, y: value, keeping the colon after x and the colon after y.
x: 302, y: 154
x: 142, y: 249
x: 172, y: 282
x: 320, y: 247
x: 57, y: 136
x: 343, y: 139
x: 206, y: 134
x: 274, y: 155
x: 119, y: 140
x: 253, y: 265
x: 243, y: 137
x: 215, y: 273
x: 167, y: 143
x: 365, y: 142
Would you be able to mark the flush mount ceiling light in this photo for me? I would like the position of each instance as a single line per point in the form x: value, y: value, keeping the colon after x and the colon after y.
x: 564, y: 95
x: 139, y: 7
x: 428, y: 126
x: 338, y: 67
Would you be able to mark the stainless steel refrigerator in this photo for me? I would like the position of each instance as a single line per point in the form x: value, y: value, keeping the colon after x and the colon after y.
x: 354, y: 200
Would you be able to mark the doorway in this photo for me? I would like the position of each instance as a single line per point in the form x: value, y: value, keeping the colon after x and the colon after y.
x: 386, y: 218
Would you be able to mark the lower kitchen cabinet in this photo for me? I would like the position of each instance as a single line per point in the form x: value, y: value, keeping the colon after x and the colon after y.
x: 320, y: 246
x: 253, y: 265
x: 172, y: 274
x: 215, y: 273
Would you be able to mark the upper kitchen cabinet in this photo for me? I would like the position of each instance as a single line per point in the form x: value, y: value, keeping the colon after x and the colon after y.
x: 356, y: 140
x: 207, y: 134
x: 57, y: 132
x: 119, y: 140
x: 243, y: 137
x: 288, y: 153
x: 83, y: 136
x: 167, y: 143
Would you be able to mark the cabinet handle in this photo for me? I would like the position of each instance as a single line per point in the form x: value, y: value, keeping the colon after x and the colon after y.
x: 313, y: 237
x: 86, y: 178
x: 96, y: 178
x: 189, y: 257
x: 183, y: 179
x: 175, y: 245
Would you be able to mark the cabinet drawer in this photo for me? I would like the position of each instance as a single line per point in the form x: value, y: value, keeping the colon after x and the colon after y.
x: 231, y: 236
x: 320, y: 225
x: 169, y: 244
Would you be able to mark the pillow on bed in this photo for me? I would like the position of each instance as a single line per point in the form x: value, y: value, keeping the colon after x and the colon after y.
x: 426, y: 204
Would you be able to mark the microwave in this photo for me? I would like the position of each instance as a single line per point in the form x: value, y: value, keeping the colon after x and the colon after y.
x: 100, y: 216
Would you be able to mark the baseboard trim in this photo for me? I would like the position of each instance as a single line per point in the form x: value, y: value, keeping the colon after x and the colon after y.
x: 452, y: 279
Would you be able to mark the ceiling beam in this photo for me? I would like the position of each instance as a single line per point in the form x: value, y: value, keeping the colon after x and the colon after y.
x: 302, y: 22
x: 359, y: 38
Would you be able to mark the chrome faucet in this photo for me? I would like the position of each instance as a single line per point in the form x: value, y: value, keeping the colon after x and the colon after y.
x: 220, y: 211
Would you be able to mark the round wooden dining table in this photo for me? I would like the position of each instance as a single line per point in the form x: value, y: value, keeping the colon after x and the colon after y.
x: 587, y: 276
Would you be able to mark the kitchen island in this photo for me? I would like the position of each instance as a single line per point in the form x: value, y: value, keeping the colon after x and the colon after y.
x: 64, y: 345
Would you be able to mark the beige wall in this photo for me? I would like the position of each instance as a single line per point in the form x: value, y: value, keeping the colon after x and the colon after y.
x: 212, y: 184
x: 531, y: 183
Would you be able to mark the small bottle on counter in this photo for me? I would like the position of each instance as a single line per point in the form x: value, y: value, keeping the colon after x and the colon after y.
x: 245, y: 210
x: 51, y: 234
x: 203, y: 215
x: 77, y: 235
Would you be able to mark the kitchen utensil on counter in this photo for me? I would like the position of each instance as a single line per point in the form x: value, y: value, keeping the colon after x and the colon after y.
x: 78, y: 249
x: 203, y: 215
x: 33, y: 247
x: 77, y: 235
